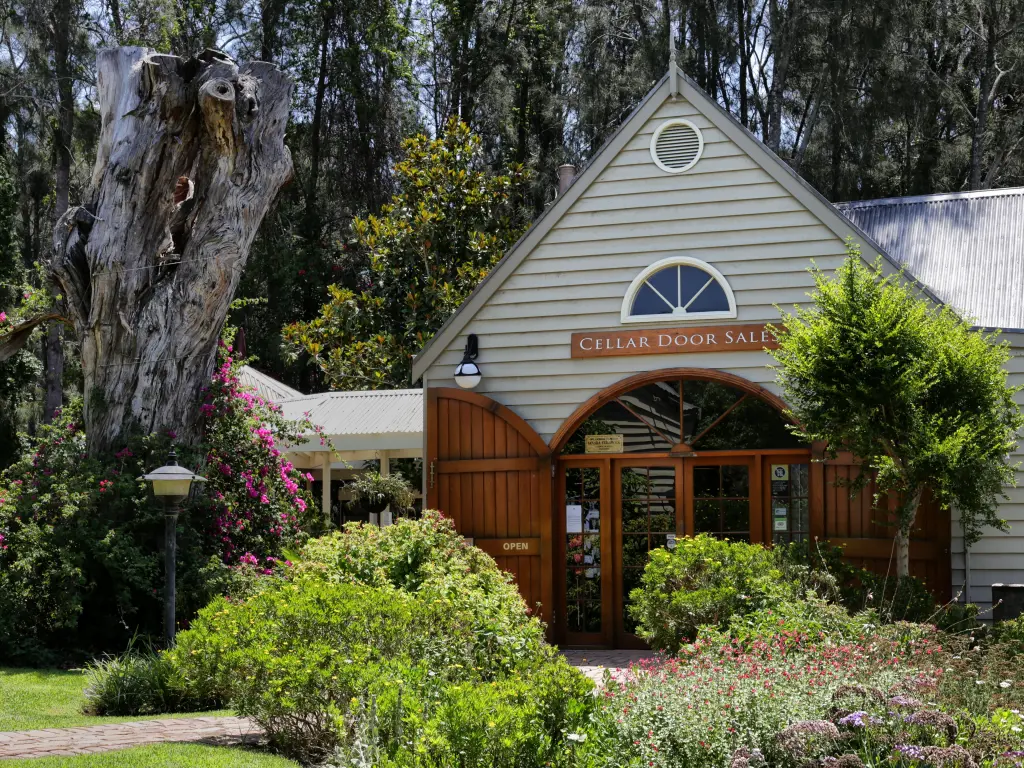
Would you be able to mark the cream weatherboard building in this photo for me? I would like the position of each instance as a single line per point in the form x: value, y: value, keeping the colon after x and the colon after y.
x: 625, y: 396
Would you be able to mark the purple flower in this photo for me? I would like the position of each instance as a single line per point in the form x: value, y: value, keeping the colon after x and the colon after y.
x: 859, y: 719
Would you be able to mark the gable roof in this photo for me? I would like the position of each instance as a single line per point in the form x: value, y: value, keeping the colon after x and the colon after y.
x: 966, y: 246
x: 812, y: 200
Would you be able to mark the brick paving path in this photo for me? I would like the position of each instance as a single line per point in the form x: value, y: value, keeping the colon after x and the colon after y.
x: 60, y: 742
x: 594, y: 663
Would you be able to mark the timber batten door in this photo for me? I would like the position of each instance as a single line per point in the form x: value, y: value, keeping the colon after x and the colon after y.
x: 491, y: 473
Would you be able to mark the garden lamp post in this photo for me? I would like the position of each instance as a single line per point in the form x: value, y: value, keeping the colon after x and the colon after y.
x: 171, y: 484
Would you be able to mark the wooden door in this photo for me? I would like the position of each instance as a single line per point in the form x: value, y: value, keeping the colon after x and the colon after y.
x: 584, y: 552
x: 491, y: 473
x: 648, y: 513
x: 865, y: 531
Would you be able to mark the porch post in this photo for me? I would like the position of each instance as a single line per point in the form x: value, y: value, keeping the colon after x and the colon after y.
x: 325, y: 494
x: 385, y: 471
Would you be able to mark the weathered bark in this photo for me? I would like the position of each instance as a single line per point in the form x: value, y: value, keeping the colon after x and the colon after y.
x: 906, y: 523
x: 148, y: 282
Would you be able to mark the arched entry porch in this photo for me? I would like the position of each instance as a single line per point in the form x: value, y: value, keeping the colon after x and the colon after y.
x: 656, y: 457
x: 700, y: 451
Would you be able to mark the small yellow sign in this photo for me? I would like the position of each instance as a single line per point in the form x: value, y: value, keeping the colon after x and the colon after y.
x: 780, y: 471
x: 604, y: 444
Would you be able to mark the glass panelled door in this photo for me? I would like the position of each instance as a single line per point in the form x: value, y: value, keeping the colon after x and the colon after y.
x: 586, y: 564
x: 723, y: 497
x: 649, y: 516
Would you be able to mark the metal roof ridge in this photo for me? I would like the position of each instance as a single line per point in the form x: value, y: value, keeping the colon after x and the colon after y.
x: 937, y: 197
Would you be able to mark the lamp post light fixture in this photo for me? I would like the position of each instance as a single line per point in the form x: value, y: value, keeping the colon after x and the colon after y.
x: 172, y: 485
x: 467, y: 374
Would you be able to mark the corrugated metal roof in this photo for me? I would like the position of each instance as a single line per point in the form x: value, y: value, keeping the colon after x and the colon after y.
x: 967, y: 247
x: 387, y: 412
x: 266, y: 387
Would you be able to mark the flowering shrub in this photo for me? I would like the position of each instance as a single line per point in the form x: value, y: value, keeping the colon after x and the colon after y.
x: 81, y: 548
x: 887, y: 699
x: 255, y: 499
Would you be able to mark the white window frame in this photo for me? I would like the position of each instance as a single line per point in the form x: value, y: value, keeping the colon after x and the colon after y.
x: 657, y: 134
x: 678, y: 314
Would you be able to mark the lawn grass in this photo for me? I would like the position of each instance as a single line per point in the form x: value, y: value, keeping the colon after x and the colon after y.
x: 162, y: 756
x: 46, y: 698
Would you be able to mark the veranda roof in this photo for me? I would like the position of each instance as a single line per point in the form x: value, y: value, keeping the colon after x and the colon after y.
x: 388, y: 420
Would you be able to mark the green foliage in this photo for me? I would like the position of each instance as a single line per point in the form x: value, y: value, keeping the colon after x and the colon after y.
x: 81, y: 538
x: 315, y: 661
x: 740, y: 590
x: 379, y: 492
x: 427, y: 249
x: 140, y: 682
x: 20, y: 372
x: 705, y: 581
x: 799, y: 622
x: 430, y: 558
x: 858, y: 589
x: 1010, y: 634
x: 82, y: 545
x: 913, y: 391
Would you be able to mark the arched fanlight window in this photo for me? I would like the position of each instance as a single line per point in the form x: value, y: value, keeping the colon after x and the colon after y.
x: 678, y: 288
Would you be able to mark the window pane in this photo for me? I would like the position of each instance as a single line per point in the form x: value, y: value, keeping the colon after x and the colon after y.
x: 693, y: 279
x: 648, y: 420
x: 658, y: 405
x: 647, y: 302
x: 752, y: 424
x: 712, y: 299
x: 666, y: 282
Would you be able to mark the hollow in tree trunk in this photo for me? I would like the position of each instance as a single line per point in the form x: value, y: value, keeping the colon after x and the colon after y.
x: 191, y: 156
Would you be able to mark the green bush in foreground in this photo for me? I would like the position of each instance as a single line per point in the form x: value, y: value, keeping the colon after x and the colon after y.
x: 706, y: 581
x: 429, y: 558
x: 314, y: 662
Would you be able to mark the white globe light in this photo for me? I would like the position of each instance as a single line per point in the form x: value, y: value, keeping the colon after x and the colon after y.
x: 467, y: 374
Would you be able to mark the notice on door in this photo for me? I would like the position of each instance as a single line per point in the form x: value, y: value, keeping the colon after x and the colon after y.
x: 574, y: 518
x: 780, y: 479
x: 667, y: 341
x: 604, y: 444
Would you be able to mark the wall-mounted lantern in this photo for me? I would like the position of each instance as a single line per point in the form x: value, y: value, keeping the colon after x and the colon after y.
x: 467, y: 374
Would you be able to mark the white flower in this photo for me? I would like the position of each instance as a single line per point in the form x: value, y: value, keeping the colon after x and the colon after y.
x: 1004, y: 684
x: 581, y: 737
x: 1016, y: 728
x: 979, y: 682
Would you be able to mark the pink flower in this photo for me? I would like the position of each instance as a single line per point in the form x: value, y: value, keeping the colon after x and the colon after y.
x: 248, y: 559
x: 3, y: 317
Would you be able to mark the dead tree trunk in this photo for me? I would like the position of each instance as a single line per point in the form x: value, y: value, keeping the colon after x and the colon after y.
x: 147, y: 280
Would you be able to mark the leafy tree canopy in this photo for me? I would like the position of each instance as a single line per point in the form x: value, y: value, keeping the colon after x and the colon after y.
x: 912, y: 390
x: 426, y: 250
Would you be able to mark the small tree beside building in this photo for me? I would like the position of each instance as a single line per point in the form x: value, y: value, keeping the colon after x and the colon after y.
x: 913, y: 391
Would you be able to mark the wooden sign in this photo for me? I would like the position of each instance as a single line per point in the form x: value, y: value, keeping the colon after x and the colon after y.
x: 665, y: 341
x: 604, y: 444
x: 506, y: 547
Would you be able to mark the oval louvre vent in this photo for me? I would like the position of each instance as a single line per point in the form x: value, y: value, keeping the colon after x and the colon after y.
x: 677, y: 146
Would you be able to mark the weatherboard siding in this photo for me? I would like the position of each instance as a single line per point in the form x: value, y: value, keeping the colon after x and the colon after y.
x: 727, y: 211
x: 997, y: 558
